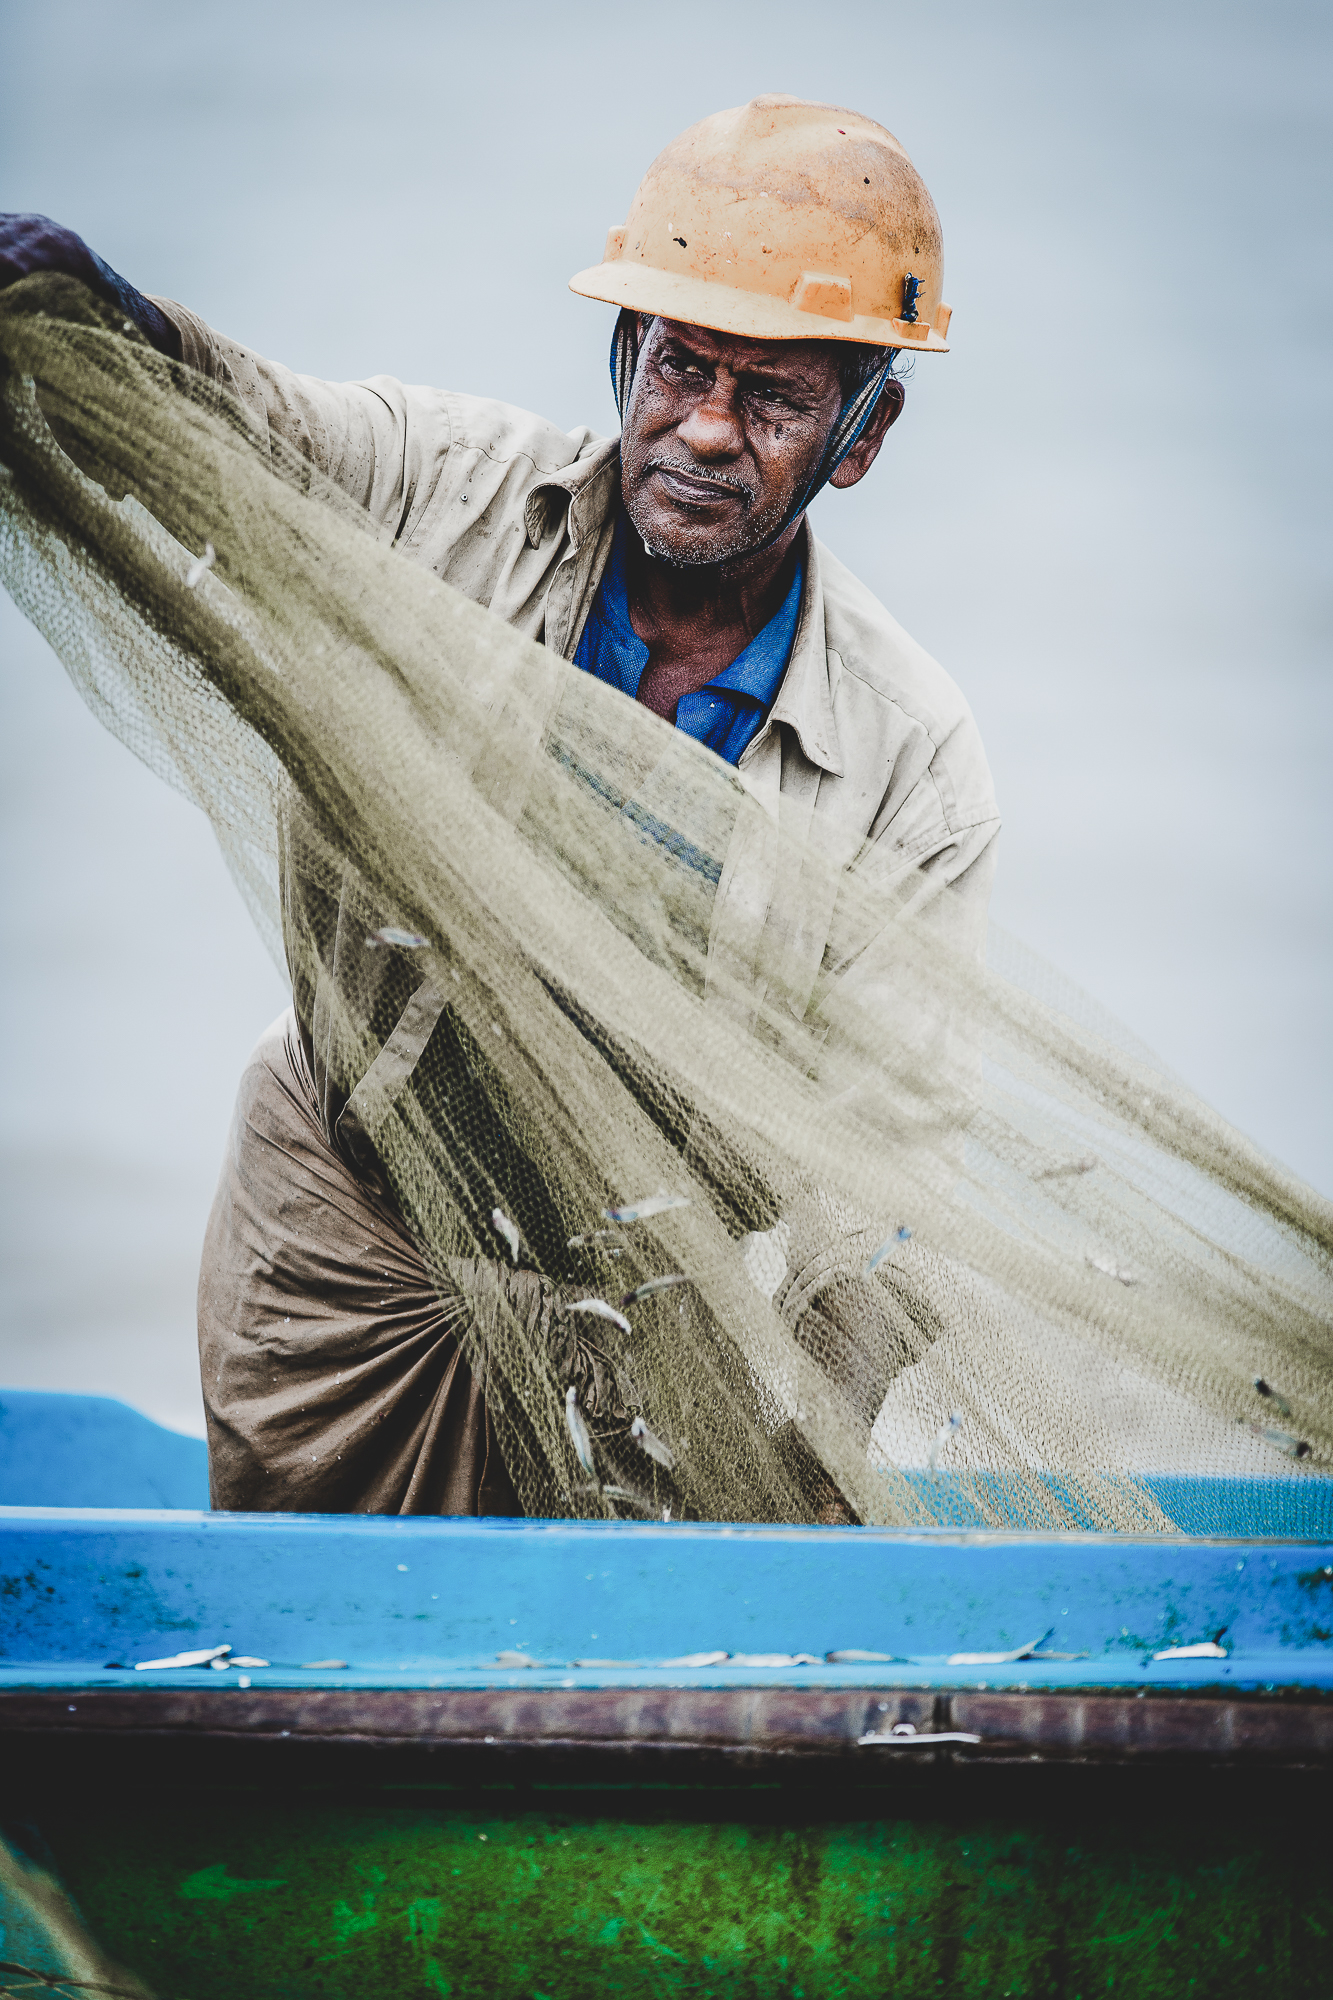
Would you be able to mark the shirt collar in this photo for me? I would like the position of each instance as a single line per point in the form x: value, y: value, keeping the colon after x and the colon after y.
x: 615, y: 590
x: 577, y: 488
x: 758, y: 671
x: 804, y: 699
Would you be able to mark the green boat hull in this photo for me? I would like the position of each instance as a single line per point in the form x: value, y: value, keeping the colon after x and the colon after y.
x: 803, y: 1762
x: 1004, y: 1883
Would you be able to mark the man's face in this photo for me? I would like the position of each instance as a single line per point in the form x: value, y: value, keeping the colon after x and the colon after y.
x: 721, y: 436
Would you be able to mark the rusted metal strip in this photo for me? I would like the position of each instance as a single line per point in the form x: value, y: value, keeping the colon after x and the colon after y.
x: 782, y: 1725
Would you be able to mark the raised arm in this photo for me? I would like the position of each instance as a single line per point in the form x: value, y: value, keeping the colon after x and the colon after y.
x: 356, y: 433
x: 30, y: 243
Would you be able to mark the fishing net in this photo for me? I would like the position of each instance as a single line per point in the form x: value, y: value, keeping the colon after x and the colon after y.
x: 942, y: 1244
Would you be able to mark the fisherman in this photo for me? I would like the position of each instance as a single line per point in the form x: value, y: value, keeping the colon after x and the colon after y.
x: 778, y: 263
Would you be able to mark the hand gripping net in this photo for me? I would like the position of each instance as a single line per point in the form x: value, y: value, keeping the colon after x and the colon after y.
x: 944, y: 1251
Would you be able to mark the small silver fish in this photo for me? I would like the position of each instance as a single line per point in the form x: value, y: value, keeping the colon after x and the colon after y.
x: 697, y: 1660
x: 500, y: 1221
x: 626, y: 1493
x: 405, y: 940
x: 954, y: 1422
x: 594, y: 1239
x: 651, y: 1285
x: 902, y: 1235
x: 1100, y: 1261
x: 849, y: 1656
x: 602, y: 1311
x: 650, y: 1204
x: 651, y: 1444
x: 248, y: 1660
x: 321, y: 1666
x: 1294, y: 1447
x: 775, y: 1660
x: 1280, y: 1403
x: 905, y: 1736
x: 514, y: 1660
x: 1209, y: 1650
x: 195, y: 573
x: 1083, y: 1165
x: 999, y: 1659
x: 578, y: 1430
x: 204, y: 1658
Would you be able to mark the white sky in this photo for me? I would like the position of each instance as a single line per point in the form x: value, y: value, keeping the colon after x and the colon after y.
x: 1107, y: 511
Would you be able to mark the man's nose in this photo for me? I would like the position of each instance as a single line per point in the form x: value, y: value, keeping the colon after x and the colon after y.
x: 713, y: 429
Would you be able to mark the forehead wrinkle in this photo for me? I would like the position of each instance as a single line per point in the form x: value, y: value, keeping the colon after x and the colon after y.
x: 746, y: 357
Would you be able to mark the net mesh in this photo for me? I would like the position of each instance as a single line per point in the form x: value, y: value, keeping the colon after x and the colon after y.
x: 942, y: 1243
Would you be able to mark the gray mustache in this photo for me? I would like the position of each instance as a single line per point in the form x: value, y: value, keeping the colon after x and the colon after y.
x: 692, y: 471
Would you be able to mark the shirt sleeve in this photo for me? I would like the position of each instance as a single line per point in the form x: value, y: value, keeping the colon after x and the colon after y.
x: 370, y: 438
x: 930, y: 852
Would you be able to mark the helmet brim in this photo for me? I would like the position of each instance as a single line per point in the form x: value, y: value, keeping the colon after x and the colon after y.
x: 751, y: 315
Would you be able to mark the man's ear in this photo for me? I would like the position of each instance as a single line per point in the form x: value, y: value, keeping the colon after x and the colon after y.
x: 866, y: 449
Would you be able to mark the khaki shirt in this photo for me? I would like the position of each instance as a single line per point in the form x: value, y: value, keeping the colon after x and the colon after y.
x: 869, y: 751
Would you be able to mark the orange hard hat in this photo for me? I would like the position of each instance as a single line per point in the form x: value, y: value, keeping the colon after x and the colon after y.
x: 782, y: 220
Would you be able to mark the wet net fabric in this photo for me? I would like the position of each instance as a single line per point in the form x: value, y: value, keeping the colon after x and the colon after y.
x: 930, y: 1243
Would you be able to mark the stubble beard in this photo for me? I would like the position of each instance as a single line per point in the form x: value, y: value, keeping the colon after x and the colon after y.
x: 723, y: 549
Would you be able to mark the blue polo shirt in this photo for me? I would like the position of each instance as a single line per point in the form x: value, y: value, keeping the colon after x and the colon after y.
x: 730, y: 710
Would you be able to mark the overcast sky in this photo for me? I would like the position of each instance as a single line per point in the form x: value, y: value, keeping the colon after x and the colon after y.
x: 1107, y: 511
